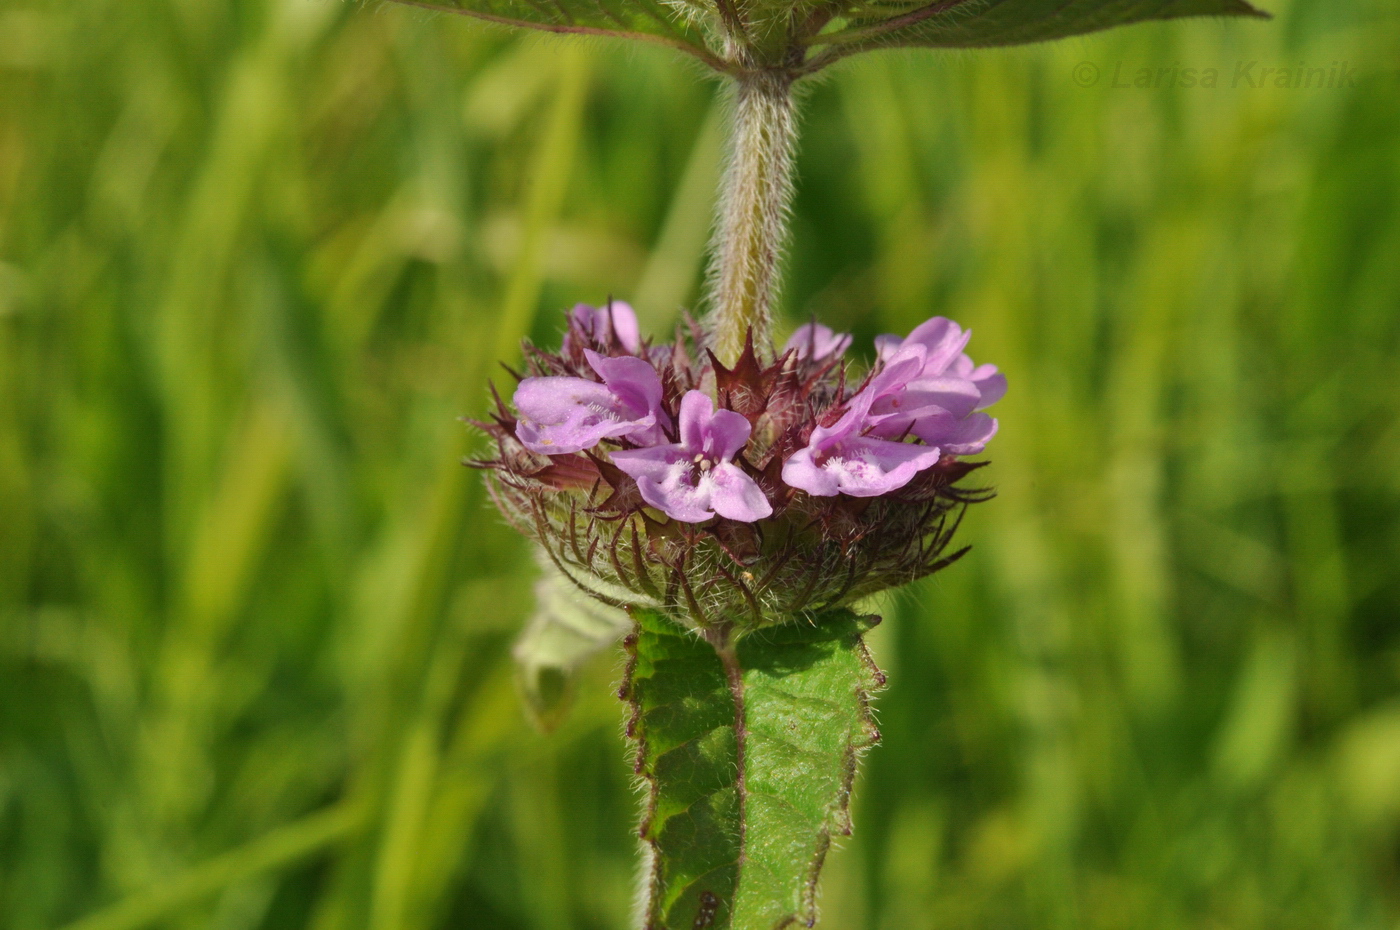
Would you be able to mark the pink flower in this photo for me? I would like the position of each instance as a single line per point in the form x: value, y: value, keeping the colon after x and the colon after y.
x: 943, y: 342
x: 696, y: 478
x: 939, y: 401
x: 815, y: 341
x: 615, y: 320
x: 844, y: 459
x: 558, y: 415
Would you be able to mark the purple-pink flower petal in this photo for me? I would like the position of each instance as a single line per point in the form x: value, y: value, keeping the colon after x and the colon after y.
x: 736, y: 496
x: 616, y: 319
x: 956, y: 435
x: 860, y: 467
x: 695, y: 479
x: 665, y: 476
x: 944, y: 341
x: 840, y: 459
x: 887, y: 345
x: 560, y: 415
x: 714, y: 434
x: 815, y: 341
x: 991, y: 384
x: 678, y: 495
x: 898, y: 394
x: 948, y: 387
x: 958, y: 396
x: 635, y: 383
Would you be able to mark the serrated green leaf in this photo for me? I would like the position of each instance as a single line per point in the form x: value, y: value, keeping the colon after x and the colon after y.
x: 567, y: 629
x: 802, y: 36
x: 989, y: 23
x: 750, y: 753
x: 676, y: 25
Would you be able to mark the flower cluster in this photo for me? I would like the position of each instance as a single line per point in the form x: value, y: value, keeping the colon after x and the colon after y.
x: 654, y: 474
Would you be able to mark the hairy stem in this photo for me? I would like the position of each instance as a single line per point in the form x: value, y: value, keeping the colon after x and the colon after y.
x: 751, y: 229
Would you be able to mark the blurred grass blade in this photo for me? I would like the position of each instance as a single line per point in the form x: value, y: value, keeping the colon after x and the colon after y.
x: 1259, y: 724
x: 231, y: 535
x: 549, y: 176
x: 668, y: 281
x: 279, y: 848
x: 395, y: 899
x: 1367, y: 759
x: 179, y: 178
x: 470, y: 771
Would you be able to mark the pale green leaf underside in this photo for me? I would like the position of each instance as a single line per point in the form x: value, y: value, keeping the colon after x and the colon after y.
x: 567, y: 630
x: 740, y: 816
x: 645, y: 20
x: 989, y: 23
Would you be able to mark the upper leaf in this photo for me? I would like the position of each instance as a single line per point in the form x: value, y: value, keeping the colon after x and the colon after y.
x: 679, y: 26
x: 803, y: 36
x: 749, y: 754
x: 989, y: 23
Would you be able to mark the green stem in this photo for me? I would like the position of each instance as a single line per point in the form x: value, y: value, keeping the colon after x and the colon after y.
x: 751, y: 229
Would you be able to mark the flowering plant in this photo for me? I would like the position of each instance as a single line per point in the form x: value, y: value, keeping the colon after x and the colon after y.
x: 726, y: 504
x: 735, y: 511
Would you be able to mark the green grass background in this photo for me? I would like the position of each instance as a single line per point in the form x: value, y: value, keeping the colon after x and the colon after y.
x: 256, y: 258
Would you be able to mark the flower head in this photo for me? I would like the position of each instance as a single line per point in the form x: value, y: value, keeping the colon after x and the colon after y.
x: 654, y: 474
